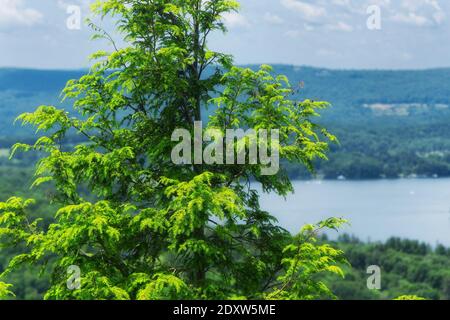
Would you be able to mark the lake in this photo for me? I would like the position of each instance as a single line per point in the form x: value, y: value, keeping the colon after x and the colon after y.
x: 415, y: 209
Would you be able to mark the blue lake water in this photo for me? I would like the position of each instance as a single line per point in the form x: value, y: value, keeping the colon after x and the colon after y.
x: 416, y: 209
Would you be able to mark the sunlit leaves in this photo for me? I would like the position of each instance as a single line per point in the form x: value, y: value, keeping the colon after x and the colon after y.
x: 409, y: 298
x: 137, y: 225
x: 163, y: 287
x: 5, y: 291
x: 261, y: 100
x: 304, y: 259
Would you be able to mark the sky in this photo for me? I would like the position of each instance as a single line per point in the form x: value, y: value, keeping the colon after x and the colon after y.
x: 339, y: 34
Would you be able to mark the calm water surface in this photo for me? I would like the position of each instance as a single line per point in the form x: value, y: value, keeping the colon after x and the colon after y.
x: 415, y: 209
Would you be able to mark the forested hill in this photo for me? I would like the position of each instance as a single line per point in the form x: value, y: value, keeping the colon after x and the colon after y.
x: 34, y: 81
x: 22, y: 90
x: 351, y: 92
x: 389, y: 123
x: 358, y: 87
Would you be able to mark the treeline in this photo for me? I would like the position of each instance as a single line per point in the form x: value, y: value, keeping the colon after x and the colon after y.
x: 407, y: 267
x: 392, y: 148
x: 30, y: 282
x: 413, y: 142
x: 384, y: 152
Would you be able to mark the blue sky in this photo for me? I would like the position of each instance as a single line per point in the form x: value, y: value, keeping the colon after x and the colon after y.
x: 414, y: 34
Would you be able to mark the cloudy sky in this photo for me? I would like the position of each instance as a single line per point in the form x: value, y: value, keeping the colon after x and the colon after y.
x: 327, y: 33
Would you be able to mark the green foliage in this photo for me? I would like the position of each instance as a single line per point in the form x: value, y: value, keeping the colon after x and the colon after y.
x: 410, y: 138
x: 409, y: 298
x: 305, y: 260
x: 408, y: 267
x: 139, y: 226
x: 4, y: 291
x: 28, y: 281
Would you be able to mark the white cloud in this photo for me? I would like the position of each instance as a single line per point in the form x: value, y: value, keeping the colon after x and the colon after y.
x: 235, y: 20
x: 420, y: 13
x: 308, y: 27
x: 84, y: 4
x: 293, y: 34
x: 14, y: 13
x: 357, y: 7
x: 344, y: 3
x: 407, y: 56
x: 326, y: 53
x: 439, y: 17
x: 299, y: 32
x: 413, y: 5
x: 340, y: 26
x: 308, y: 11
x: 411, y: 19
x: 273, y: 18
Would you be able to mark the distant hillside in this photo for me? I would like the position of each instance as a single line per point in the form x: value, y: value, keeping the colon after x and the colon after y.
x: 35, y: 81
x: 389, y: 123
x: 22, y: 90
x: 344, y: 87
x: 358, y: 92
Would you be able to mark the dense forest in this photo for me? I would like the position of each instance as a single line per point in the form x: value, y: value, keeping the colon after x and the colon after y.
x: 93, y: 205
x: 409, y: 267
x: 390, y: 124
x: 406, y: 133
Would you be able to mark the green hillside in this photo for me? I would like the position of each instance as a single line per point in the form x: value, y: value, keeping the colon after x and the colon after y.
x: 22, y: 90
x: 389, y: 123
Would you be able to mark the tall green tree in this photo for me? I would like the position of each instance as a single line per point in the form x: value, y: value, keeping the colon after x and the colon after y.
x: 140, y: 226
